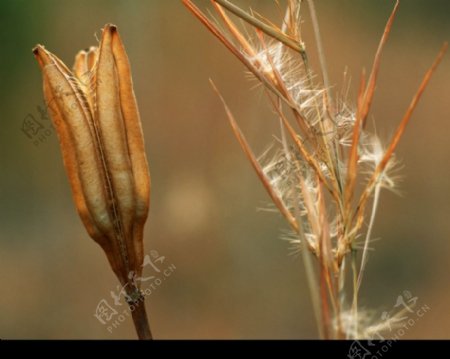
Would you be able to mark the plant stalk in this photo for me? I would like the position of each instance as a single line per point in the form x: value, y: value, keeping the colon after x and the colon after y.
x: 140, y: 319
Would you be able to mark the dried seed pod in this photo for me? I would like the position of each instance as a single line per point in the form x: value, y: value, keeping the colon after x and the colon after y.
x: 95, y: 114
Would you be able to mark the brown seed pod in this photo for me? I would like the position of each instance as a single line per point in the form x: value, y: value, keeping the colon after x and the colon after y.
x: 95, y: 114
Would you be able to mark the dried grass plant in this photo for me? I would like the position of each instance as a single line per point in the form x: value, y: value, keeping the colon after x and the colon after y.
x: 326, y: 171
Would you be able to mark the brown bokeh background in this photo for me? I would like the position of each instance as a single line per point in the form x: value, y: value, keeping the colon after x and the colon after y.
x: 234, y: 277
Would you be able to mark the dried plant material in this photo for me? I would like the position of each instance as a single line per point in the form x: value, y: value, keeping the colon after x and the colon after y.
x: 95, y: 114
x: 327, y: 166
x: 250, y: 155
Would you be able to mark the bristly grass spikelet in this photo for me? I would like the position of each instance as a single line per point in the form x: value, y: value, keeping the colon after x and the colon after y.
x: 326, y: 172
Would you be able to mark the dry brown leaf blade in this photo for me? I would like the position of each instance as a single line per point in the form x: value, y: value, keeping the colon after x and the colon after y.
x: 253, y: 160
x: 396, y: 137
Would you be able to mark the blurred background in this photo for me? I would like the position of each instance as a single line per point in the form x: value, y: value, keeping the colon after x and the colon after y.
x: 234, y: 277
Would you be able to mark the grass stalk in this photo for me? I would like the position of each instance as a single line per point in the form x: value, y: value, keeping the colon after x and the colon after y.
x: 320, y: 157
